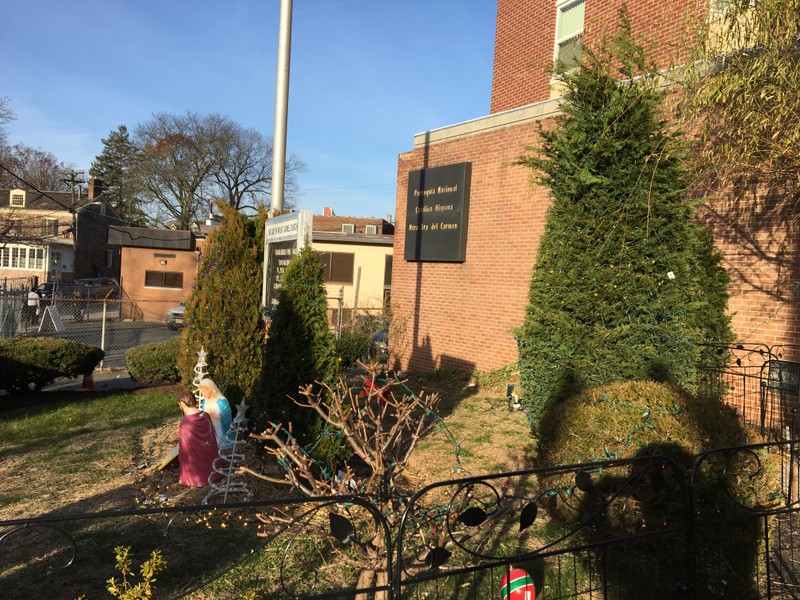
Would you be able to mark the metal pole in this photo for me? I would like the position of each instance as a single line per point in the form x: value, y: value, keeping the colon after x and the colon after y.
x: 281, y: 107
x: 279, y: 134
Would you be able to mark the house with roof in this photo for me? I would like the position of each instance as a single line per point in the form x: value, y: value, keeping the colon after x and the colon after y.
x: 356, y: 255
x: 159, y: 266
x: 56, y: 236
x: 469, y: 220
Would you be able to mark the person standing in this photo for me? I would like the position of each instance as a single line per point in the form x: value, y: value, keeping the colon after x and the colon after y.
x: 32, y: 307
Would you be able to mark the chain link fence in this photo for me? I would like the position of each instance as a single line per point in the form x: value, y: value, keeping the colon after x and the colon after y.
x: 112, y: 325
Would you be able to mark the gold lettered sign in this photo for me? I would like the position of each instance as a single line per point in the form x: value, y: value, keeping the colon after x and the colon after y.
x: 438, y: 213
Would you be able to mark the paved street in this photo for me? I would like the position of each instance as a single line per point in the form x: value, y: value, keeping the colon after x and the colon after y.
x: 117, y: 338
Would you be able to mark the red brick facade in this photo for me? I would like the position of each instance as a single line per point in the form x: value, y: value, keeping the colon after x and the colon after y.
x: 463, y: 315
x: 525, y: 40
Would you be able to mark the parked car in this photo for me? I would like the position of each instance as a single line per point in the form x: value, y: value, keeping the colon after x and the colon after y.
x: 99, y: 287
x: 58, y: 290
x: 175, y: 316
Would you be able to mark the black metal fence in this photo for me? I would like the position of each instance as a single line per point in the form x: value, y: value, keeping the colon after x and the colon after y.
x: 646, y: 527
x: 761, y: 382
x: 722, y: 525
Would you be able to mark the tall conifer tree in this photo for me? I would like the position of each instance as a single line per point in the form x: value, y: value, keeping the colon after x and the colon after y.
x: 223, y: 314
x: 626, y: 285
x: 300, y: 348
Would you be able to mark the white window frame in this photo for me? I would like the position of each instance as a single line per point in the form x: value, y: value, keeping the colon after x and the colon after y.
x: 371, y: 230
x: 51, y: 226
x: 17, y: 199
x: 348, y: 228
x: 561, y: 8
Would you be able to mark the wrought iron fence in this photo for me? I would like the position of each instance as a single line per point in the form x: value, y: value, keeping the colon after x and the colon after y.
x: 647, y: 527
x: 761, y: 382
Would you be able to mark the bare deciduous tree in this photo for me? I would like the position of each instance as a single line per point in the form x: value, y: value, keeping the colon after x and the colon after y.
x: 381, y: 429
x: 185, y: 162
x: 26, y: 167
x: 6, y: 116
x: 244, y: 167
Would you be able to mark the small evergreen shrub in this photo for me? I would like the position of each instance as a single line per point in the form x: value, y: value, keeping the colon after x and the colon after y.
x: 223, y: 314
x: 300, y: 347
x: 627, y: 420
x: 352, y: 345
x: 626, y: 284
x: 154, y: 362
x: 28, y: 364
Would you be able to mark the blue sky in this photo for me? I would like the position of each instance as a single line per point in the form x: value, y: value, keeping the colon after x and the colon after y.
x: 366, y: 76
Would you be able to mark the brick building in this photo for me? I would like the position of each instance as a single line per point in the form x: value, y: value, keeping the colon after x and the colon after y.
x: 461, y: 313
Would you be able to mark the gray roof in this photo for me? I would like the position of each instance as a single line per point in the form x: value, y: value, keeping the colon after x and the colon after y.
x: 142, y: 237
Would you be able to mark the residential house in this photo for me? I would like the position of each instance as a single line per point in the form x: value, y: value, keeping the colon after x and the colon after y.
x: 158, y: 269
x: 356, y: 255
x: 56, y: 236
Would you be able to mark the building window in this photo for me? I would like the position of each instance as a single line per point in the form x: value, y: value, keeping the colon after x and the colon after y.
x: 36, y: 259
x: 17, y: 199
x: 348, y: 228
x: 163, y: 279
x: 5, y: 253
x: 387, y: 271
x: 110, y: 259
x: 337, y: 267
x: 51, y: 227
x: 569, y: 32
x: 372, y: 229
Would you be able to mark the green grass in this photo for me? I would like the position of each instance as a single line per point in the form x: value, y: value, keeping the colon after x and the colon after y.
x: 73, y: 443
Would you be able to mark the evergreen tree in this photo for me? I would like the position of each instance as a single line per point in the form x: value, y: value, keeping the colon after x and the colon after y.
x: 626, y: 285
x: 115, y: 167
x: 223, y: 314
x: 300, y: 347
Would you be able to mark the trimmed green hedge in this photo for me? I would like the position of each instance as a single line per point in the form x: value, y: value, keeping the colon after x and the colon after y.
x: 154, y: 362
x: 28, y: 364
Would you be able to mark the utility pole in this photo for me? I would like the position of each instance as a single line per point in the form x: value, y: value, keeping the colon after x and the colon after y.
x: 72, y: 179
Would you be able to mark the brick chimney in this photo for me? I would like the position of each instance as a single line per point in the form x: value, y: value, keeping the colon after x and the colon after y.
x: 327, y: 212
x: 95, y: 188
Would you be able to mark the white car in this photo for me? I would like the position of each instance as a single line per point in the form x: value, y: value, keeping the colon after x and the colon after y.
x: 175, y: 316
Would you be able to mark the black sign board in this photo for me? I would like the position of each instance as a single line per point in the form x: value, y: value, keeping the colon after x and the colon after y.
x: 438, y: 213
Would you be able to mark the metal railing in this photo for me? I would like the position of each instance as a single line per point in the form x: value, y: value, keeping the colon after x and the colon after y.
x: 646, y: 527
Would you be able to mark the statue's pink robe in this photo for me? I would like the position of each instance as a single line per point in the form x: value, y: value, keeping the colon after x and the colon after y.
x: 197, y: 448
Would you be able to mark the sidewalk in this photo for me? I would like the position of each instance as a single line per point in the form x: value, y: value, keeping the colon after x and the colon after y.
x: 104, y: 380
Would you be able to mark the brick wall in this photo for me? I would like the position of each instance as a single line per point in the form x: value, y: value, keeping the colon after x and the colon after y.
x: 525, y: 40
x: 758, y: 236
x: 462, y: 315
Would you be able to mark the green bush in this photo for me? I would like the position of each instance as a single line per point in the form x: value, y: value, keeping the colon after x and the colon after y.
x: 154, y: 362
x: 626, y: 284
x: 300, y: 347
x: 351, y: 346
x: 639, y: 419
x: 28, y: 364
x: 223, y: 314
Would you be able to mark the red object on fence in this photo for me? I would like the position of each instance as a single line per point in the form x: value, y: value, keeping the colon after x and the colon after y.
x: 517, y: 585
